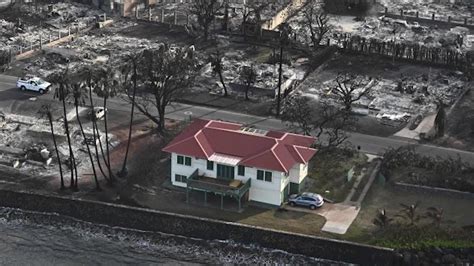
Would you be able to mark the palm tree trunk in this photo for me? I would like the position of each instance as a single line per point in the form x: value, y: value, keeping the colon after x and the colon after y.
x: 87, y: 146
x: 223, y: 83
x: 124, y: 171
x: 100, y: 146
x: 247, y: 92
x: 50, y: 118
x: 97, y: 138
x: 107, y: 140
x: 280, y: 70
x: 94, y: 126
x: 71, y: 154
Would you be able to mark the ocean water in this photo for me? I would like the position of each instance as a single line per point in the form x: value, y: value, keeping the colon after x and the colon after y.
x: 32, y: 238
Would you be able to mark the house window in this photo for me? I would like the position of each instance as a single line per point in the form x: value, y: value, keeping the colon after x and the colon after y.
x: 180, y: 178
x: 210, y: 165
x: 264, y: 175
x: 241, y: 170
x: 187, y: 161
x: 268, y: 176
x: 260, y: 175
x: 180, y: 159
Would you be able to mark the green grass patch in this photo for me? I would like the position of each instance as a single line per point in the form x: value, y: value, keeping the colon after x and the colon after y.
x: 422, y: 237
x: 328, y: 172
x: 290, y: 221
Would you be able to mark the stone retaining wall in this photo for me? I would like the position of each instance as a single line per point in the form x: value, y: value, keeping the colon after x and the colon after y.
x: 437, y: 190
x: 190, y: 226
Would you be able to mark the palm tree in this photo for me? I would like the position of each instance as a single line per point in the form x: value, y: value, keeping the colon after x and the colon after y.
x: 435, y: 215
x: 133, y: 59
x: 409, y: 213
x: 88, y: 74
x: 79, y: 99
x: 46, y: 111
x: 217, y: 68
x: 382, y: 220
x: 107, y: 85
x: 61, y: 93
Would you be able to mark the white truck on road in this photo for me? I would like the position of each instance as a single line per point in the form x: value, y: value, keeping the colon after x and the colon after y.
x: 33, y: 84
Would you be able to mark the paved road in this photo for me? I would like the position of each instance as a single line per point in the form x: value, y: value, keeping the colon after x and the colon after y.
x: 368, y: 143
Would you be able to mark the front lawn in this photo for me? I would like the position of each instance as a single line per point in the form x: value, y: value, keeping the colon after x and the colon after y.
x: 290, y: 221
x: 455, y: 229
x: 328, y: 173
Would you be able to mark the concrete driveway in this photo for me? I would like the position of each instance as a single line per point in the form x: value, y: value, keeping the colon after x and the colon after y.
x: 338, y: 216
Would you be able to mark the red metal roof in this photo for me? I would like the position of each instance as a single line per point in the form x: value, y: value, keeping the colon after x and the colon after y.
x: 272, y: 150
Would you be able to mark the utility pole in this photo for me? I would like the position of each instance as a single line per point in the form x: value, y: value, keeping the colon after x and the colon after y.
x: 283, y: 39
x: 279, y: 81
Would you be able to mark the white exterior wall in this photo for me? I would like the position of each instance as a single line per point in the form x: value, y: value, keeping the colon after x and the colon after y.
x: 263, y: 191
x: 182, y: 169
x: 260, y: 190
x: 298, y: 173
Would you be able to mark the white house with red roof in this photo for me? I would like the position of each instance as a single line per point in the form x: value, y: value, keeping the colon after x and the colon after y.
x: 232, y: 160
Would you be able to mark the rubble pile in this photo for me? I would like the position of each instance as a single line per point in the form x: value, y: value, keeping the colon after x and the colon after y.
x: 387, y: 29
x: 85, y: 49
x: 458, y: 10
x: 100, y: 46
x: 399, y: 100
x: 50, y: 20
x: 26, y: 144
x: 233, y: 63
x: 398, y: 30
x: 236, y: 11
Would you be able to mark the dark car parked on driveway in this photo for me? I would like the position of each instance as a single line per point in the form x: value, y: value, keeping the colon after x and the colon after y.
x: 311, y: 200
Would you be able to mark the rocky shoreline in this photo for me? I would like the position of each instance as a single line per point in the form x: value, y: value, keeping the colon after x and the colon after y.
x: 436, y: 256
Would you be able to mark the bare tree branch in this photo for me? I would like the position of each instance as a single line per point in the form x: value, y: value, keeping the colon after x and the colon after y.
x: 205, y: 11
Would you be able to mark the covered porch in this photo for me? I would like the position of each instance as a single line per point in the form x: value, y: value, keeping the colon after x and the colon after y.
x: 235, y: 189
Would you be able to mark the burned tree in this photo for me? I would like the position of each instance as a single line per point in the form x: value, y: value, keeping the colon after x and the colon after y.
x: 217, y: 68
x: 205, y: 11
x: 440, y: 120
x: 5, y: 59
x: 350, y: 88
x: 300, y: 114
x: 326, y: 122
x: 166, y: 74
x: 316, y: 22
x: 248, y: 75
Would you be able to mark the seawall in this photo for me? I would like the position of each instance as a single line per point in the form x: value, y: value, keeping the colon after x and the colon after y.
x: 190, y: 226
